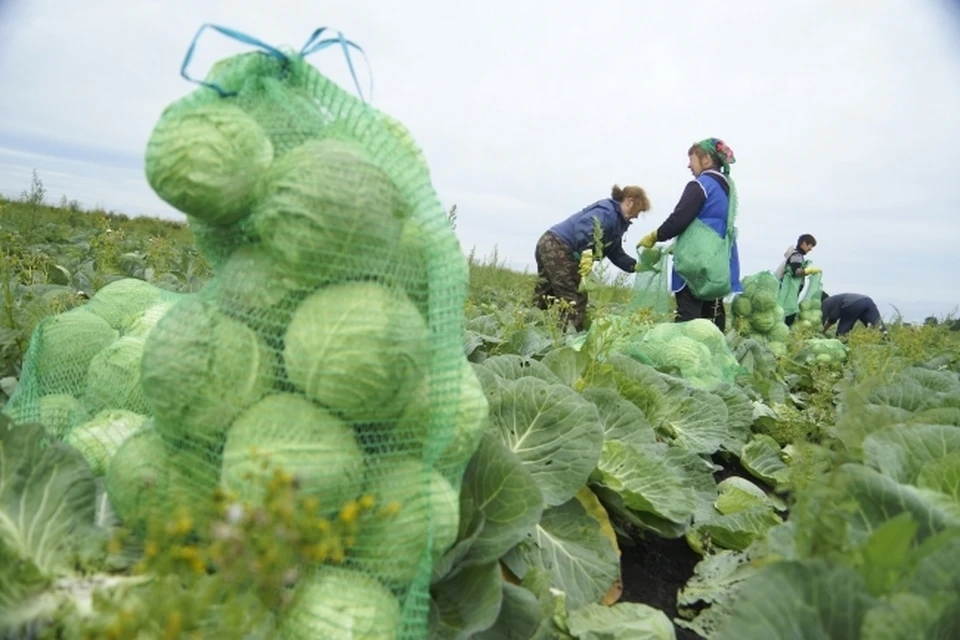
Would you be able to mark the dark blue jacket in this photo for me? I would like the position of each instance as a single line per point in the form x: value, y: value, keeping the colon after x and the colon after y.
x: 577, y: 231
x: 708, y: 200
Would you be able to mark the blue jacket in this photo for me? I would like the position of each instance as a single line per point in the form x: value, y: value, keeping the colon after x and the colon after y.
x: 577, y: 231
x: 705, y: 198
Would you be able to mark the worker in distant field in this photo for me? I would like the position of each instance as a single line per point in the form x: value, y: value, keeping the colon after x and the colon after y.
x: 791, y: 273
x: 847, y: 309
x: 706, y: 198
x: 565, y: 253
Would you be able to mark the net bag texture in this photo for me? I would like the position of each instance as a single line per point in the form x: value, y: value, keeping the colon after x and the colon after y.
x: 811, y: 305
x: 327, y: 345
x: 757, y: 311
x: 651, y: 290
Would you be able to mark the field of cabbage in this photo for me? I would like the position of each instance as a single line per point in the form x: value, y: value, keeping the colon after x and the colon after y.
x: 639, y: 480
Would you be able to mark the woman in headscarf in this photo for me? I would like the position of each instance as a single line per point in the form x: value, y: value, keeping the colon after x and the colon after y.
x: 566, y: 252
x: 706, y: 261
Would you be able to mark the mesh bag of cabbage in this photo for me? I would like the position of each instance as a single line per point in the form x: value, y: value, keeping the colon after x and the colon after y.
x: 651, y: 281
x: 756, y: 311
x: 83, y: 365
x: 811, y: 306
x: 326, y: 348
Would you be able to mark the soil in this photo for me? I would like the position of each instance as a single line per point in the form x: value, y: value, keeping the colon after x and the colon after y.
x: 655, y: 569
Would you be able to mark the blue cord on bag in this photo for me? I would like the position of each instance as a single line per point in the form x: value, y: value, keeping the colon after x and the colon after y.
x: 313, y: 44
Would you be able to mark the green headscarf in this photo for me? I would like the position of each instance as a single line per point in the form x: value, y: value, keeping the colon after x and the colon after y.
x: 720, y: 152
x: 723, y: 156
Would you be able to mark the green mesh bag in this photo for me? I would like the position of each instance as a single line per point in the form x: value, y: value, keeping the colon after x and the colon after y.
x: 702, y: 257
x: 651, y: 282
x: 326, y: 348
x: 757, y: 312
x: 87, y: 360
x: 788, y: 296
x: 811, y: 306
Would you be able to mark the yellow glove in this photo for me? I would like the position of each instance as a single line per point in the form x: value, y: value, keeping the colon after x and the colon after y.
x: 812, y: 271
x: 586, y: 262
x: 648, y: 240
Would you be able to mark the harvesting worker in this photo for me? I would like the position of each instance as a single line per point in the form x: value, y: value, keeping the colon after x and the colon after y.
x: 706, y: 262
x: 791, y: 274
x: 847, y: 309
x: 565, y: 253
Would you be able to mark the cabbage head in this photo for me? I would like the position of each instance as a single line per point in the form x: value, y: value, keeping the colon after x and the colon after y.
x: 59, y: 412
x: 779, y: 333
x: 250, y: 287
x: 392, y: 547
x: 113, y: 379
x: 473, y: 412
x: 327, y: 211
x: 137, y: 479
x: 146, y: 321
x: 122, y: 301
x: 688, y: 356
x: 706, y: 332
x: 763, y: 321
x: 99, y: 439
x: 742, y: 306
x: 232, y: 74
x: 65, y: 346
x: 206, y: 159
x: 763, y: 301
x: 358, y: 349
x: 292, y: 434
x: 337, y: 603
x: 146, y: 480
x: 200, y: 370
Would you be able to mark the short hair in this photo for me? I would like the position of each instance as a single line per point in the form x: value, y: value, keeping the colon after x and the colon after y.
x: 806, y: 239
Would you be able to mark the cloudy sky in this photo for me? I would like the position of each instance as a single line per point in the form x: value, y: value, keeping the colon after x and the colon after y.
x: 843, y: 115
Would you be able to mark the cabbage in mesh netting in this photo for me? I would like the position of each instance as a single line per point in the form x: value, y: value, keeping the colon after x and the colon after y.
x: 757, y: 313
x: 328, y: 341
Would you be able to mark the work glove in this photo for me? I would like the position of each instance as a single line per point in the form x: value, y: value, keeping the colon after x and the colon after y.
x: 648, y: 240
x: 586, y: 262
x: 812, y: 271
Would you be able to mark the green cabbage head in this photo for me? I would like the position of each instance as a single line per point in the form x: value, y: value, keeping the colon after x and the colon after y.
x: 205, y: 160
x: 99, y: 439
x: 292, y: 434
x: 473, y: 411
x: 392, y: 547
x: 357, y: 348
x: 338, y: 603
x: 122, y: 301
x: 201, y: 369
x: 327, y: 211
x: 65, y: 346
x: 113, y: 379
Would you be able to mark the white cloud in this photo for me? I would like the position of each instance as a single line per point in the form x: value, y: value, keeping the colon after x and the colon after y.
x: 842, y: 114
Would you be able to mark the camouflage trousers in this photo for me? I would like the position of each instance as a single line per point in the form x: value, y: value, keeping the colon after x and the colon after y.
x: 558, y: 279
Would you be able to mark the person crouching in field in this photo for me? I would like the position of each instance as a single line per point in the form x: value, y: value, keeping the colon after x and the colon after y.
x: 706, y: 262
x: 847, y: 309
x: 565, y: 252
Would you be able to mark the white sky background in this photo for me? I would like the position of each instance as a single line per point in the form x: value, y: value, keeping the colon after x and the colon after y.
x: 843, y: 115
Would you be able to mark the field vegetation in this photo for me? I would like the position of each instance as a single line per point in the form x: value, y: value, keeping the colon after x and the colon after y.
x: 637, y: 480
